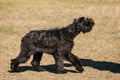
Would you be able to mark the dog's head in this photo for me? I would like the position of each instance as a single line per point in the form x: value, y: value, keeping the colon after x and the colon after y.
x: 86, y: 24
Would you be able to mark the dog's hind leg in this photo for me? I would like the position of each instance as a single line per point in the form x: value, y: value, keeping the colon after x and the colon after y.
x: 21, y: 58
x: 36, y: 61
x: 75, y: 61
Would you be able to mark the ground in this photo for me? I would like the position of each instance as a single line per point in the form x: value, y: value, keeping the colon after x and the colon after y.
x: 99, y: 49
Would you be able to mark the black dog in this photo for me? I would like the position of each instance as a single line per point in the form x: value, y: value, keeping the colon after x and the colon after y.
x: 57, y: 42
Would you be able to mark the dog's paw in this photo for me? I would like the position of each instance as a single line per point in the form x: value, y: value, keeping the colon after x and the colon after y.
x: 80, y: 70
x: 61, y: 71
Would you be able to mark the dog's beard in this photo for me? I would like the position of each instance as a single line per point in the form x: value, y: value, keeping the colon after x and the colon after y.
x: 86, y: 29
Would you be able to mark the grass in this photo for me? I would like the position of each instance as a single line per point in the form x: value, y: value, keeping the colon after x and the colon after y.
x: 101, y: 45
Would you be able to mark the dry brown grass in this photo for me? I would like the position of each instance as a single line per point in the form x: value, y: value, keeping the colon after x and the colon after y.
x: 17, y: 17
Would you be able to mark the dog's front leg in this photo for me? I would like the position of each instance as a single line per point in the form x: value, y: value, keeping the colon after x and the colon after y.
x: 59, y: 63
x: 75, y: 61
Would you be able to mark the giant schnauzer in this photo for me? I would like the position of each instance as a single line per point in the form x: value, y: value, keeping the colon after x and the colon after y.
x: 57, y: 42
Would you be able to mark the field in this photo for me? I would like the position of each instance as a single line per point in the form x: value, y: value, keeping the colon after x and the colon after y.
x: 98, y: 49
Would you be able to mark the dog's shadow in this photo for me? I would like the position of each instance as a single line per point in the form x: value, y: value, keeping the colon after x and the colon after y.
x: 100, y: 65
x: 50, y: 68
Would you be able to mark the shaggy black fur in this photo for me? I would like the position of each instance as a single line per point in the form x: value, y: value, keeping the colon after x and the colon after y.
x: 57, y: 42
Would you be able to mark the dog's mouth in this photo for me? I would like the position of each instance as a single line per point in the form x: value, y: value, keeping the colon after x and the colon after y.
x: 92, y: 23
x: 87, y: 28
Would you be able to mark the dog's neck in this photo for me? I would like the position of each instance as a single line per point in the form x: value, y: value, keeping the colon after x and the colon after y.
x: 71, y: 31
x: 74, y: 30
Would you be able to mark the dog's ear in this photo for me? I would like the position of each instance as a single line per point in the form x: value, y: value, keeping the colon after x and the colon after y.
x: 75, y: 20
x: 81, y: 19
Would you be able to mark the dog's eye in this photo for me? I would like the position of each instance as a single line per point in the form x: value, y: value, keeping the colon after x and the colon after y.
x: 87, y: 23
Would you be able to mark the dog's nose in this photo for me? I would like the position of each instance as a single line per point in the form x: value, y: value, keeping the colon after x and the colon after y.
x: 92, y: 22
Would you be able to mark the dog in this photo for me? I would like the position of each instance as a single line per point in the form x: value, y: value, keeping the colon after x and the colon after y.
x: 56, y: 42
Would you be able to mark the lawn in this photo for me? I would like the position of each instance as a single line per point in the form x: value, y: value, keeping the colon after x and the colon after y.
x: 99, y: 49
